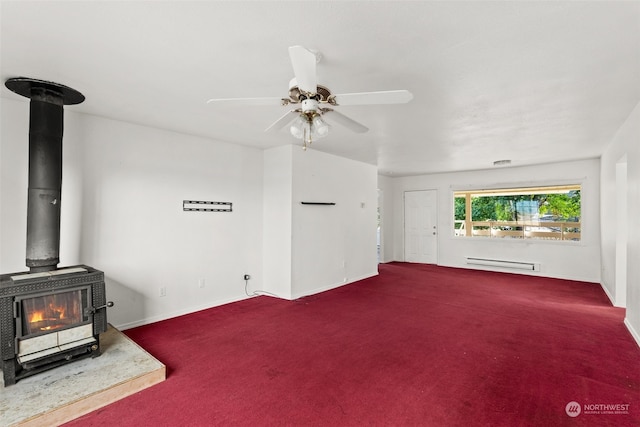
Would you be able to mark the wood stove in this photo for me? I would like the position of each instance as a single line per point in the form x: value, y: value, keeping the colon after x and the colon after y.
x: 48, y: 316
x: 49, y: 319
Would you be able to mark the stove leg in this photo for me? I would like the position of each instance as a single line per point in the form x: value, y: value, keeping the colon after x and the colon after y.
x: 9, y: 368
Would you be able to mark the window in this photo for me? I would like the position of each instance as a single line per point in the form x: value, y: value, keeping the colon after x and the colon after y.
x: 547, y: 213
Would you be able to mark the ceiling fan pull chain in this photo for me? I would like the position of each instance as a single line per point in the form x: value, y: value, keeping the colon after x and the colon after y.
x: 304, y: 139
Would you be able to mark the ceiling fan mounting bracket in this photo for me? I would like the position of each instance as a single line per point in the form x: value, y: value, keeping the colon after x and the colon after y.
x: 309, y: 106
x: 322, y: 94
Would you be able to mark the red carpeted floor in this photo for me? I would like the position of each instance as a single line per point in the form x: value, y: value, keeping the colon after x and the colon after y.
x: 418, y: 345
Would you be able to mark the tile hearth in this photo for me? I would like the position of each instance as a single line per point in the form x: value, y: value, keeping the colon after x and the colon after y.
x: 70, y: 391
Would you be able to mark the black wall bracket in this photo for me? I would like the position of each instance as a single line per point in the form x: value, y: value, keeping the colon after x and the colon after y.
x: 318, y: 203
x: 203, y: 206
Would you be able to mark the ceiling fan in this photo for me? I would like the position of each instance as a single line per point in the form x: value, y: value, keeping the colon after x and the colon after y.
x: 314, y: 101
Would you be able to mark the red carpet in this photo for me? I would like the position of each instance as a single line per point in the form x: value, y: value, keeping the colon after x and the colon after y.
x: 419, y: 345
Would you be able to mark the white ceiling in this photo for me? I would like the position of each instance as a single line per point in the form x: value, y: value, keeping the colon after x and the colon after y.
x: 534, y: 82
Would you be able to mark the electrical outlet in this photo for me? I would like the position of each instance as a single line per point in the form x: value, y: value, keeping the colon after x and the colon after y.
x: 247, y: 277
x: 201, y: 283
x: 163, y: 291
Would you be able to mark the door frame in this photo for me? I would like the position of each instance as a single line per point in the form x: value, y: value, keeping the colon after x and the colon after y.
x: 622, y: 224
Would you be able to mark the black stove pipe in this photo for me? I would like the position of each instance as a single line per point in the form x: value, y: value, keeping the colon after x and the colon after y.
x: 45, y: 167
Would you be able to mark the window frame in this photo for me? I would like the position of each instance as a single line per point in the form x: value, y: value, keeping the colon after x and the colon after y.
x: 532, y: 230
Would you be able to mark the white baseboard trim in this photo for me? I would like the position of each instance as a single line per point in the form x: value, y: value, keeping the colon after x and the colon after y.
x: 193, y: 309
x: 333, y: 286
x: 606, y: 291
x: 632, y: 331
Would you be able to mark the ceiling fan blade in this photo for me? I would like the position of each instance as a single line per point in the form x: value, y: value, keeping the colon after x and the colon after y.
x: 304, y: 68
x: 281, y: 122
x: 346, y: 121
x: 370, y: 98
x: 243, y: 102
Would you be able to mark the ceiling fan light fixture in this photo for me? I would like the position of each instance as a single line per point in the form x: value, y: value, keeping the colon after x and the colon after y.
x: 299, y: 127
x: 320, y: 128
x: 308, y: 127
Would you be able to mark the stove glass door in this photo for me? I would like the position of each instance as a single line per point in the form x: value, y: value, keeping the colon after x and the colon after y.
x: 53, y: 311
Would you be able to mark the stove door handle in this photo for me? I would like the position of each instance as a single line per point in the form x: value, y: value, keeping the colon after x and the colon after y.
x: 92, y: 310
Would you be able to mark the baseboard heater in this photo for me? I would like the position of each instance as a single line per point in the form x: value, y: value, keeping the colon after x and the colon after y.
x: 531, y: 266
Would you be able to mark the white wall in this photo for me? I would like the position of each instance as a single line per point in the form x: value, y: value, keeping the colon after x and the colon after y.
x: 123, y: 187
x: 387, y: 218
x: 624, y: 146
x: 328, y: 246
x: 569, y: 260
x: 332, y: 245
x: 14, y: 149
x: 277, y: 217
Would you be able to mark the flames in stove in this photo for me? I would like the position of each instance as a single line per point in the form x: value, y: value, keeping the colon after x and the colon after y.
x: 49, y: 319
x: 55, y: 311
x: 36, y: 317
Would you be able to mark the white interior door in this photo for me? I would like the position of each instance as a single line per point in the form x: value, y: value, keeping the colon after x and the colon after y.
x: 420, y: 226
